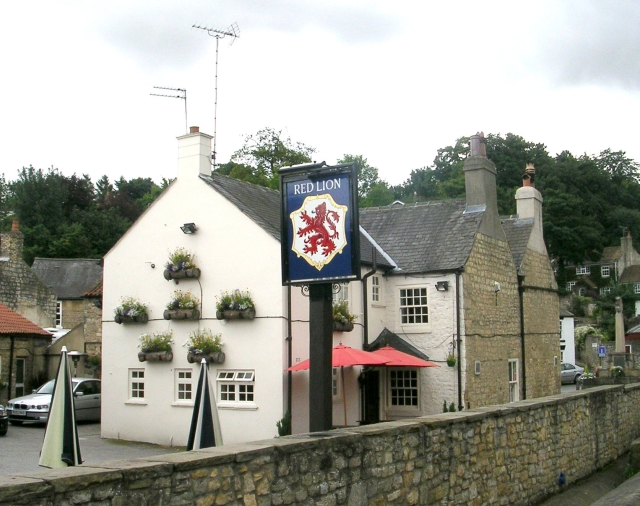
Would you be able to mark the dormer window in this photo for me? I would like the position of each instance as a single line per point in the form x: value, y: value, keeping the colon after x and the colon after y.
x: 583, y: 269
x: 605, y: 271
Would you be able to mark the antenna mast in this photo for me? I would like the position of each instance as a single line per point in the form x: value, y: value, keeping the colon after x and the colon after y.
x: 183, y: 96
x: 234, y: 32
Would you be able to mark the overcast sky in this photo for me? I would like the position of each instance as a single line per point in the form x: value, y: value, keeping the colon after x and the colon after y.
x: 392, y: 81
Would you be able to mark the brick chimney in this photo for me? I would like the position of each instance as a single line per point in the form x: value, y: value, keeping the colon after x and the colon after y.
x: 628, y: 255
x: 480, y: 187
x: 12, y: 243
x: 529, y: 205
x: 194, y: 154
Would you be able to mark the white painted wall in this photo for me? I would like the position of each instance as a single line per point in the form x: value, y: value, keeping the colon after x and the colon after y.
x: 567, y: 339
x: 228, y: 260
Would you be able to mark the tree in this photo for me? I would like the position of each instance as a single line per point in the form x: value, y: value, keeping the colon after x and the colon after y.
x: 372, y: 191
x: 266, y: 151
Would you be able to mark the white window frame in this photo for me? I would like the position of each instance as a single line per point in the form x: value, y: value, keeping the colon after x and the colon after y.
x: 582, y: 292
x: 183, y: 386
x: 137, y: 380
x: 375, y: 289
x: 636, y: 288
x: 605, y: 271
x: 236, y: 389
x: 628, y: 348
x: 58, y: 313
x: 336, y: 385
x: 514, y: 380
x: 570, y: 285
x: 582, y: 270
x: 605, y: 290
x: 408, y: 294
x: 397, y: 392
x: 342, y: 294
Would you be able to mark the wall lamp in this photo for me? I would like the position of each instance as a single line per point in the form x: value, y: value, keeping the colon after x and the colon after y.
x: 442, y: 286
x: 189, y: 228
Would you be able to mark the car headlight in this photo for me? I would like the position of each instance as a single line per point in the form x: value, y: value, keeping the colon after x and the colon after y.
x: 2, y: 411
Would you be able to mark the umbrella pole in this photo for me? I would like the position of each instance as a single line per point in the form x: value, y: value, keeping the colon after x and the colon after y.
x: 344, y: 397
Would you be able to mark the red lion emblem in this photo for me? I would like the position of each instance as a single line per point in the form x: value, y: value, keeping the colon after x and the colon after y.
x: 318, y: 235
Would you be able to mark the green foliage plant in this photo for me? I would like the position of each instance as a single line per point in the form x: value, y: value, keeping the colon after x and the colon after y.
x: 235, y: 300
x: 130, y: 306
x: 617, y: 372
x: 183, y: 300
x: 158, y: 341
x: 452, y: 408
x: 444, y: 406
x: 341, y: 313
x: 284, y: 425
x: 203, y: 341
x: 180, y: 259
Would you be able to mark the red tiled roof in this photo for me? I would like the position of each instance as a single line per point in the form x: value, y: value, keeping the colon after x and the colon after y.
x: 94, y: 291
x: 13, y: 323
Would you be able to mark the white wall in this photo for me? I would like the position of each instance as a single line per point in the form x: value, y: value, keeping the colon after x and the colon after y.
x: 228, y: 260
x: 567, y: 338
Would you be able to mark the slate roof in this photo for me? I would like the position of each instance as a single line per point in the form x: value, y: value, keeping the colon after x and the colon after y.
x: 611, y: 254
x: 13, y: 323
x: 518, y: 233
x: 423, y: 237
x: 69, y: 278
x: 260, y: 204
x: 388, y: 338
x: 631, y: 274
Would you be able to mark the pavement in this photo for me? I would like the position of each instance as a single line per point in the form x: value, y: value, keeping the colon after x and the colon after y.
x: 20, y: 448
x: 591, y: 489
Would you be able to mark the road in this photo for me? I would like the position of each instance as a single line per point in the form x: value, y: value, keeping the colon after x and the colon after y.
x: 21, y: 448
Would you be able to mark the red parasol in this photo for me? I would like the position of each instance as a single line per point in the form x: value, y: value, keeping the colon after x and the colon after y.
x: 400, y: 359
x: 345, y: 356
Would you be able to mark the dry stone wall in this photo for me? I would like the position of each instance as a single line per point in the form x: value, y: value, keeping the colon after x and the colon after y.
x: 504, y: 455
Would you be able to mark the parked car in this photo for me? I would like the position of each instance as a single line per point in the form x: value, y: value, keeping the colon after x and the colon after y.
x: 570, y: 373
x: 35, y: 407
x: 4, y: 421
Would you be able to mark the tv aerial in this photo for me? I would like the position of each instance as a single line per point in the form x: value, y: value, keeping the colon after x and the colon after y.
x: 234, y: 32
x: 182, y: 94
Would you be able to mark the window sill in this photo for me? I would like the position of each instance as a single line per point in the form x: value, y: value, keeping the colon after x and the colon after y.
x: 185, y: 404
x: 378, y: 304
x: 249, y: 406
x: 134, y: 402
x: 415, y: 328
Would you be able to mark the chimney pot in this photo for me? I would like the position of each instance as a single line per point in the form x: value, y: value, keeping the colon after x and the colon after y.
x: 194, y: 130
x: 15, y: 225
x: 478, y: 145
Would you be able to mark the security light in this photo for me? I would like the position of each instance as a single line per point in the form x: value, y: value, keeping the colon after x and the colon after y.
x: 189, y: 228
x: 442, y: 286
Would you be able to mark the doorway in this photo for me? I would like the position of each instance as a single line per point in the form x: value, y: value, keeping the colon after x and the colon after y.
x: 370, y: 395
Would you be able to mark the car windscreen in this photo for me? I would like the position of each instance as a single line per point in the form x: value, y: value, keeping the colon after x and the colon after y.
x: 47, y: 388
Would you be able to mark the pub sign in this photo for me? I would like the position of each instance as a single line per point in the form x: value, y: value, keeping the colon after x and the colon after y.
x: 319, y: 224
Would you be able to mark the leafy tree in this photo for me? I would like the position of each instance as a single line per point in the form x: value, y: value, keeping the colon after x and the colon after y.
x: 266, y: 151
x: 372, y: 191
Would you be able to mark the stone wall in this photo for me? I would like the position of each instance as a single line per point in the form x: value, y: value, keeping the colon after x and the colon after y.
x: 20, y: 289
x: 510, y: 454
x: 541, y: 326
x: 491, y: 334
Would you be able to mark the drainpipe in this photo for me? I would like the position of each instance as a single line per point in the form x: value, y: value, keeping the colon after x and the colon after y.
x: 522, y: 335
x: 365, y: 305
x: 10, y: 367
x: 289, y: 339
x: 458, y: 325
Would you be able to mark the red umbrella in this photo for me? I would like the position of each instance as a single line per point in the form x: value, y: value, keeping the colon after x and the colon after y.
x: 400, y: 359
x: 345, y: 356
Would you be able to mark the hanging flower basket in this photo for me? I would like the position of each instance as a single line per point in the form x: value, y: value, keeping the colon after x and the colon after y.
x: 155, y: 356
x: 451, y: 361
x: 130, y: 310
x: 211, y: 358
x: 181, y: 314
x: 181, y: 274
x: 181, y: 265
x: 342, y: 327
x: 230, y: 314
x: 140, y: 318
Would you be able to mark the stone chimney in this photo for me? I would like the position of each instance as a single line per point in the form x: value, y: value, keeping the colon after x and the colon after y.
x: 628, y: 255
x: 529, y: 205
x: 12, y: 243
x: 194, y: 154
x: 480, y: 187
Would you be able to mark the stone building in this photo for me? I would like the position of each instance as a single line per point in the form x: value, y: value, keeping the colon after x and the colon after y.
x: 20, y: 288
x: 23, y: 348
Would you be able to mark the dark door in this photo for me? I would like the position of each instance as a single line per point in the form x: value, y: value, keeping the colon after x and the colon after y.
x: 370, y: 384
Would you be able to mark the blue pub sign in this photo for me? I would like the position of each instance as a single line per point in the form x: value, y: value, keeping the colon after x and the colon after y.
x: 319, y: 224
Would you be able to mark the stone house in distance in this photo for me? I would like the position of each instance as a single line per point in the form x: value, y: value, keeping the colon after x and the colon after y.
x: 437, y: 278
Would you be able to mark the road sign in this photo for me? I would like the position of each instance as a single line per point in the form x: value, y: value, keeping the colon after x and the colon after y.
x: 602, y: 351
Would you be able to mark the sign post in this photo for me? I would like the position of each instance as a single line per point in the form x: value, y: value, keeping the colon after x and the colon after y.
x: 320, y: 241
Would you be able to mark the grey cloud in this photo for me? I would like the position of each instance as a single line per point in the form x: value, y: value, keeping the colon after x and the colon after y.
x: 592, y: 43
x: 158, y: 34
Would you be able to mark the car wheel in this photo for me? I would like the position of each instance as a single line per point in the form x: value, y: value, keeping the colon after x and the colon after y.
x: 575, y: 380
x: 15, y: 422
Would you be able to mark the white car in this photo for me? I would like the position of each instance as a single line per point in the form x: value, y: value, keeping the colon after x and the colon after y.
x: 35, y: 407
x: 570, y: 373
